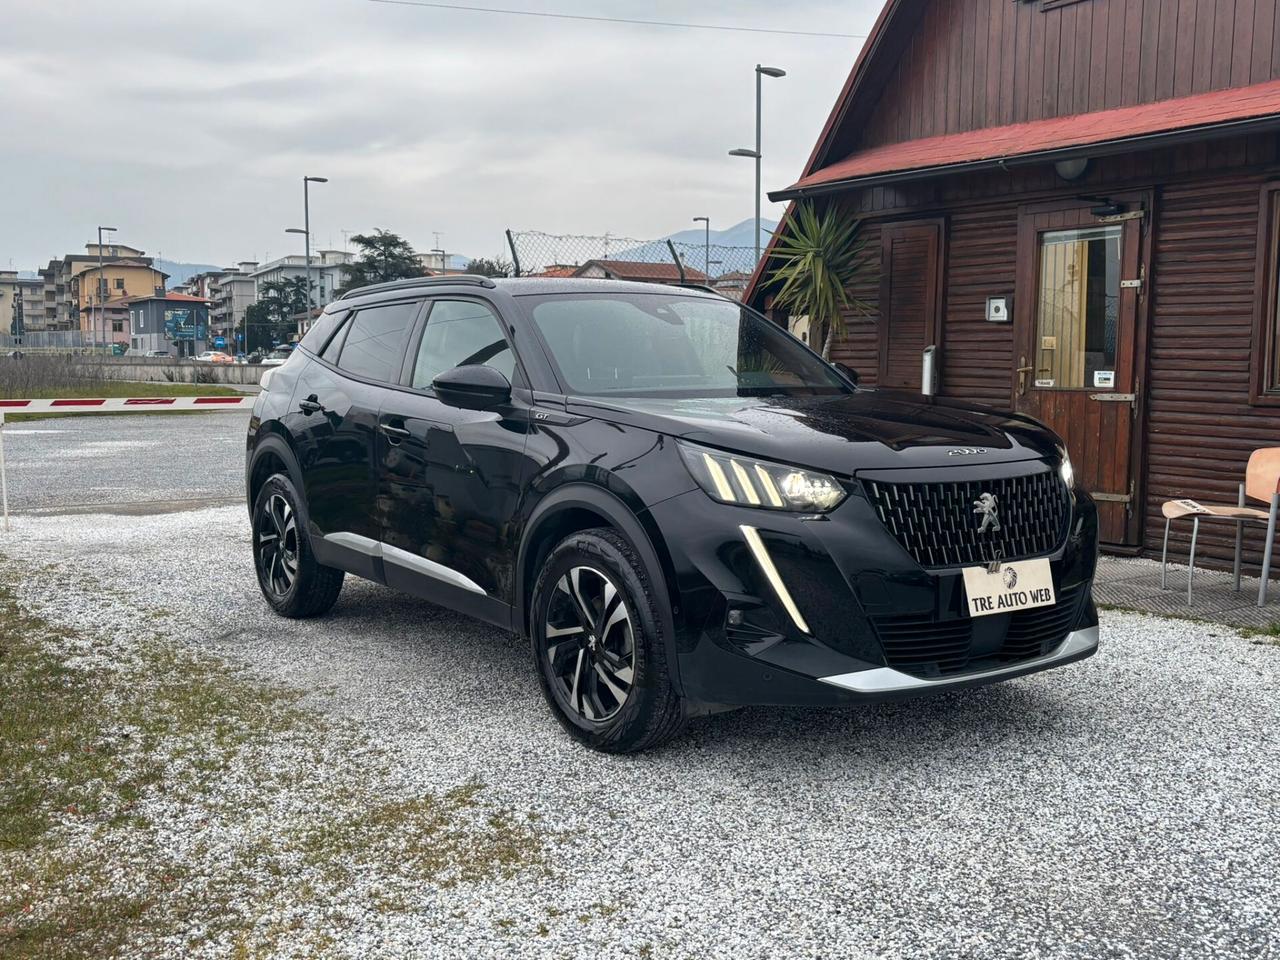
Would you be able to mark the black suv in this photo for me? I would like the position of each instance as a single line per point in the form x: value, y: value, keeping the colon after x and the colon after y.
x: 679, y: 504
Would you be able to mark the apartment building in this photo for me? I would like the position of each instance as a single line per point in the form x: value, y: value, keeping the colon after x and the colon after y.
x: 77, y: 282
x: 231, y: 292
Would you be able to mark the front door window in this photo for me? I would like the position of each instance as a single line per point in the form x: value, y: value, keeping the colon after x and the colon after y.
x: 1079, y: 309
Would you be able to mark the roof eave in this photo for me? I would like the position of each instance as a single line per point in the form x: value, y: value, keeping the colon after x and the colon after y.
x: 1103, y: 148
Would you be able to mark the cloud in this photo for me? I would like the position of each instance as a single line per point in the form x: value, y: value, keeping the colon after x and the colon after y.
x: 189, y: 125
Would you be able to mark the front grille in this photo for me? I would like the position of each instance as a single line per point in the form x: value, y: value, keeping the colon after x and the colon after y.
x: 937, y: 524
x: 927, y: 647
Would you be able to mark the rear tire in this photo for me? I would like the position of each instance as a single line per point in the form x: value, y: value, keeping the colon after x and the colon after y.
x: 292, y: 581
x: 598, y: 645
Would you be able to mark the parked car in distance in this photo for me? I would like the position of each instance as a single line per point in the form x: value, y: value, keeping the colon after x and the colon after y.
x: 681, y: 506
x: 212, y: 356
x: 276, y: 357
x: 157, y: 353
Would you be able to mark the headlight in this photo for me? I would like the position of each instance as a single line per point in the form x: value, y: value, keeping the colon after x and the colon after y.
x: 1067, y: 472
x: 759, y: 483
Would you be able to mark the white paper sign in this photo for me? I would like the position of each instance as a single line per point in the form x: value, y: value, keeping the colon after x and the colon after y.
x: 1104, y: 378
x: 1015, y: 586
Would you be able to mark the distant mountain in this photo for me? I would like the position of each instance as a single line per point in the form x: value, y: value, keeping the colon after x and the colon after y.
x: 732, y: 247
x: 739, y: 235
x: 180, y: 273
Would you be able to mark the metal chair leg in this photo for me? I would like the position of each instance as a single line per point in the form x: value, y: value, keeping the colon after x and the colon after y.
x: 1266, y: 550
x: 1191, y: 563
x: 1164, y: 558
x: 1239, y: 538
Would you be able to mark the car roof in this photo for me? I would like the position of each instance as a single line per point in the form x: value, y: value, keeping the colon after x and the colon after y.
x: 515, y: 286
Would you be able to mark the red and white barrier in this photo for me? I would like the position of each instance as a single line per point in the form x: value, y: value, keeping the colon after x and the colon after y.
x: 132, y: 404
x: 107, y: 405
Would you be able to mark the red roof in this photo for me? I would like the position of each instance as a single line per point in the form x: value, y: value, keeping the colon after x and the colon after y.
x: 992, y: 144
x: 635, y: 270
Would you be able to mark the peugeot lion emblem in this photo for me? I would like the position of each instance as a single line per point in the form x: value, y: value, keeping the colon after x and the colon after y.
x: 987, y: 508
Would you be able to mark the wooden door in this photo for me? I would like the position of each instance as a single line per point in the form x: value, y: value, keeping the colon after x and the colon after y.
x: 1077, y: 341
x: 910, y: 298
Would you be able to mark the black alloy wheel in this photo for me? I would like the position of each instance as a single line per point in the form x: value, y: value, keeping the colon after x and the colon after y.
x: 591, y: 649
x: 291, y: 580
x: 597, y: 637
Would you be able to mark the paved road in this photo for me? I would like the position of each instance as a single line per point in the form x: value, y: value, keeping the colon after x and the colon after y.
x: 166, y: 461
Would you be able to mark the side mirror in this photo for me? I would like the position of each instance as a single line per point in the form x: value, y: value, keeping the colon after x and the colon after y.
x: 848, y: 371
x: 473, y: 387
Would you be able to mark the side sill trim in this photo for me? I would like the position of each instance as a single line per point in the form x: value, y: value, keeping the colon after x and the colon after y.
x: 403, y: 558
x: 888, y: 680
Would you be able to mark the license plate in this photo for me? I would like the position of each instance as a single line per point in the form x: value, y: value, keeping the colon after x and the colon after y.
x: 1022, y: 585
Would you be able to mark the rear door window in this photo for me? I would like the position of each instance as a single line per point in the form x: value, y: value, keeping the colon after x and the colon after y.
x: 375, y: 341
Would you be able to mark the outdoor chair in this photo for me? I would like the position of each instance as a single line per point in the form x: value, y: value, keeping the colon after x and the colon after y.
x: 1261, y: 484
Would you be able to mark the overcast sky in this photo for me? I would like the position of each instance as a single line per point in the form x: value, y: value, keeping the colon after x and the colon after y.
x: 188, y: 125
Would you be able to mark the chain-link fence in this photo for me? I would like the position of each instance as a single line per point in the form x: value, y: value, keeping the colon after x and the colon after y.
x: 537, y: 254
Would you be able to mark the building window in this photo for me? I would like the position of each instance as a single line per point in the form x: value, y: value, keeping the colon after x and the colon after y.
x: 1079, y: 308
x: 119, y: 283
x: 1265, y: 386
x: 117, y: 326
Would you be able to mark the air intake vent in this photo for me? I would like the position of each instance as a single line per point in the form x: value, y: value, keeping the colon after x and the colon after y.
x: 926, y: 647
x: 938, y: 525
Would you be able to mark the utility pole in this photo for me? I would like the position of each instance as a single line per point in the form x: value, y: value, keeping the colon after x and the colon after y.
x: 306, y: 226
x: 761, y: 72
x: 101, y: 279
x: 706, y: 255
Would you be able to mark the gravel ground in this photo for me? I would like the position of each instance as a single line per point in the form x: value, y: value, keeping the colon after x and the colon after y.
x: 68, y: 461
x: 1121, y: 807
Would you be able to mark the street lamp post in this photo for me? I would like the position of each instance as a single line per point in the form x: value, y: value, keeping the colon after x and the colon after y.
x: 761, y: 72
x: 706, y: 248
x: 100, y: 319
x: 306, y: 223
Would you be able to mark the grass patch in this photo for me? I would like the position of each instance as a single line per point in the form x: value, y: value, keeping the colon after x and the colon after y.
x: 149, y: 793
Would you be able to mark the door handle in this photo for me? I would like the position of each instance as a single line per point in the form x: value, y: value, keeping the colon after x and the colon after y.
x: 310, y: 405
x: 1022, y: 372
x: 394, y: 434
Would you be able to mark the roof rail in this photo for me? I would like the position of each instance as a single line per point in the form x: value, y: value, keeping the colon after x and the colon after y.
x: 469, y: 279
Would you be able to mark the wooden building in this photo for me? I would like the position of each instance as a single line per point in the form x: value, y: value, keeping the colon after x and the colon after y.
x: 1078, y: 203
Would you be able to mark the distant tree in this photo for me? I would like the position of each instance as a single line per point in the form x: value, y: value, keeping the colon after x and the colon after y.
x: 271, y: 319
x: 485, y: 267
x: 383, y: 256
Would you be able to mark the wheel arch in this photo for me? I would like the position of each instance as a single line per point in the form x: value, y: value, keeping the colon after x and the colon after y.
x: 581, y: 506
x: 273, y: 454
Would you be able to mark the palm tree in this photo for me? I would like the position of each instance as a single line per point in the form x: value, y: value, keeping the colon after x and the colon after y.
x: 819, y: 257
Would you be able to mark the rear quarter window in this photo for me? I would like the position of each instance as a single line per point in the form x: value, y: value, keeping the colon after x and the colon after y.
x: 317, y: 338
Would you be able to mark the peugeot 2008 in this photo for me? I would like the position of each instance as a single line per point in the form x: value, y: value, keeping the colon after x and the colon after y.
x: 680, y: 505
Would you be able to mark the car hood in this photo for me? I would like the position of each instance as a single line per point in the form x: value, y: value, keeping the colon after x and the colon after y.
x: 848, y: 434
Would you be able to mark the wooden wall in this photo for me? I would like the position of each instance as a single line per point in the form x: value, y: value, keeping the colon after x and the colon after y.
x: 1201, y: 426
x: 969, y: 64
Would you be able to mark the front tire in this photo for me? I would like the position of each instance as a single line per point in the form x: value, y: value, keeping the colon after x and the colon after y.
x: 598, y: 646
x: 292, y: 581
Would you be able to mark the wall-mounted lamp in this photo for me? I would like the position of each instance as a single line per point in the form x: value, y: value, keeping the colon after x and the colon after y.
x: 1072, y: 169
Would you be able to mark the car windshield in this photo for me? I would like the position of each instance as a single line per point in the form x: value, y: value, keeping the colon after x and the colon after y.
x: 666, y: 344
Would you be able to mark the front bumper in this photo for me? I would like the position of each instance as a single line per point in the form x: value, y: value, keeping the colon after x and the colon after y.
x: 776, y: 608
